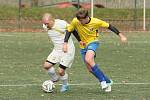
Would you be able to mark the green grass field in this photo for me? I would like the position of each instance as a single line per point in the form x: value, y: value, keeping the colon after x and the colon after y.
x: 21, y: 73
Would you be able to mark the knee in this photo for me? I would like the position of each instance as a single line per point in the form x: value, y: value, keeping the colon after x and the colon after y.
x: 61, y: 72
x: 47, y: 65
x: 88, y: 60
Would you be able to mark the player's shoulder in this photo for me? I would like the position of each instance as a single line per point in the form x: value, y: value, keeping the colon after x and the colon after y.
x: 60, y: 21
x: 95, y: 19
x: 75, y: 20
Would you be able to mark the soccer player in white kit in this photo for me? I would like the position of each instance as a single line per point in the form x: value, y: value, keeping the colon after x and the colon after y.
x: 56, y: 32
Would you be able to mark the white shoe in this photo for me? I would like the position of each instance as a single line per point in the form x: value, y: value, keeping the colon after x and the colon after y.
x: 108, y: 89
x: 64, y: 88
x: 104, y: 85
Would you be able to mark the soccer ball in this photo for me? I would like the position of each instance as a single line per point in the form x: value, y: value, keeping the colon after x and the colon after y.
x: 48, y: 86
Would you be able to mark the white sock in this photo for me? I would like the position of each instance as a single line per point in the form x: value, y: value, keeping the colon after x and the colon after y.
x: 52, y: 74
x: 64, y: 79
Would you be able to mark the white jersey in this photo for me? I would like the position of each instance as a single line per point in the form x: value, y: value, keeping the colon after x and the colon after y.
x: 57, y: 34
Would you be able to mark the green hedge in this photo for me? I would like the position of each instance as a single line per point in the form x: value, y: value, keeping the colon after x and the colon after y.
x: 67, y: 13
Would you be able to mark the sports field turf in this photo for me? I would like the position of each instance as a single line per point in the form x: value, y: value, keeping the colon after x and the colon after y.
x: 21, y: 72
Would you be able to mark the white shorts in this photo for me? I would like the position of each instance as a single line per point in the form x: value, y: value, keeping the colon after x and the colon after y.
x: 65, y: 59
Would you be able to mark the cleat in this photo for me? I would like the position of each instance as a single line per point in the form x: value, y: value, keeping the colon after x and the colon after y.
x: 108, y: 89
x: 64, y: 88
x: 104, y: 85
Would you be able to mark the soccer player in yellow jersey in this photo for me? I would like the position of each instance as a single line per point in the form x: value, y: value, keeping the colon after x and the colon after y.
x: 87, y: 28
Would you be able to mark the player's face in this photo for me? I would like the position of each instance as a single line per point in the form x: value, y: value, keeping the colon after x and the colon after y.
x: 84, y: 20
x: 49, y: 23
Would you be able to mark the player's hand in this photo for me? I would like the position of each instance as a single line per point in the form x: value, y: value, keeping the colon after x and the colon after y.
x: 82, y: 43
x: 123, y: 38
x: 65, y: 47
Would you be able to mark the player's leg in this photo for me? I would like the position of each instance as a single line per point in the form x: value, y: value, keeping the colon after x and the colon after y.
x: 63, y: 76
x: 51, y: 70
x: 93, y: 66
x: 52, y: 59
x: 83, y: 53
x: 89, y: 59
x: 66, y: 62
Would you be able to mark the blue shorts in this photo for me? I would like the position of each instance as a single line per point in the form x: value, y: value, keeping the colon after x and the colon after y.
x: 92, y: 46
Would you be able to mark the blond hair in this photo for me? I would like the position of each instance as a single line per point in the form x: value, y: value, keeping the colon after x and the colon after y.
x: 47, y: 16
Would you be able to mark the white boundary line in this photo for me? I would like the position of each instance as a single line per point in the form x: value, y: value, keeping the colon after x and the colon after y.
x: 117, y: 42
x: 81, y: 84
x: 4, y: 35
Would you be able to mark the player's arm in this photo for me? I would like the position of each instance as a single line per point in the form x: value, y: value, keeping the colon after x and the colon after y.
x: 70, y: 29
x: 76, y: 35
x: 116, y: 31
x: 68, y: 34
x: 109, y: 26
x: 113, y: 29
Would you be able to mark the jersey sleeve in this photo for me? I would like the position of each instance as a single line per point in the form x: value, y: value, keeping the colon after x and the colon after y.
x: 103, y: 24
x: 71, y: 27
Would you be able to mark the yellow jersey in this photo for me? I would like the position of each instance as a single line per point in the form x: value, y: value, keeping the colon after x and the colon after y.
x: 87, y: 32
